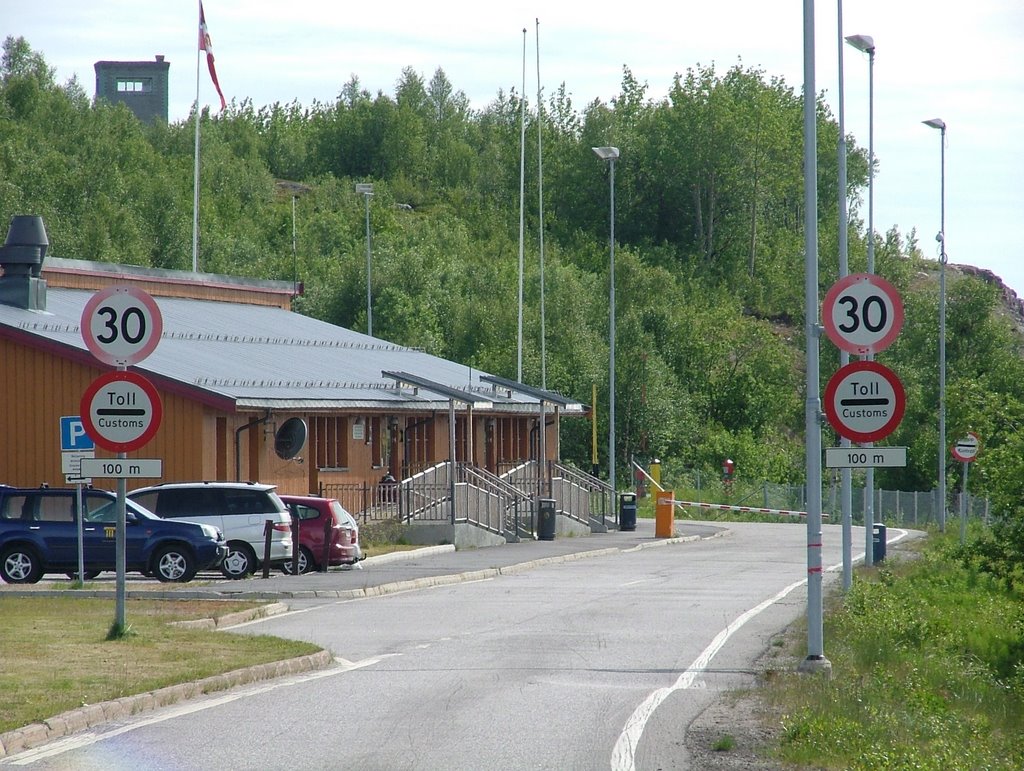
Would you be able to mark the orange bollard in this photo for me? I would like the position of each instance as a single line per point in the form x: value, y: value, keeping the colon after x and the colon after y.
x: 664, y: 515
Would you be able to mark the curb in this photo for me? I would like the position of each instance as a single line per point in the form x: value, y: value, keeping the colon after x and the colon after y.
x: 91, y: 715
x: 398, y: 556
x: 232, y: 619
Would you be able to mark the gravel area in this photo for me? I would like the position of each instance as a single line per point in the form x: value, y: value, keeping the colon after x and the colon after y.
x: 754, y: 730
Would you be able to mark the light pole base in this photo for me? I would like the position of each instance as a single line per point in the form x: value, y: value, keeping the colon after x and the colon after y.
x: 816, y: 665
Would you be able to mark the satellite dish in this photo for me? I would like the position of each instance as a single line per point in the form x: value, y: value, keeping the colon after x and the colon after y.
x: 290, y: 438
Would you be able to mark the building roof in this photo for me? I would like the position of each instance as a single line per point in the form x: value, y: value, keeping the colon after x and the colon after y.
x: 244, y: 357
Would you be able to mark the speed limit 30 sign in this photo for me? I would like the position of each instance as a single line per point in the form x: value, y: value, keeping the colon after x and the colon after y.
x: 862, y: 313
x: 121, y: 325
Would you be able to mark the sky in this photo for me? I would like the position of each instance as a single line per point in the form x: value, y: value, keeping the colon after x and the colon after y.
x: 961, y: 62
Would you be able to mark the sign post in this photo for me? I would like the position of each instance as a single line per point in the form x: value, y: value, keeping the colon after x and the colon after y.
x: 121, y: 411
x: 75, y: 446
x: 862, y: 314
x: 966, y: 451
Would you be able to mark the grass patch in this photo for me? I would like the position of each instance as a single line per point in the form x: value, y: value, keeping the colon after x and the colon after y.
x: 928, y: 673
x: 724, y: 744
x: 382, y: 533
x: 58, y: 656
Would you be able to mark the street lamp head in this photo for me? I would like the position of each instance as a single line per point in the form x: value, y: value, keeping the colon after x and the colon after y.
x: 606, y: 153
x: 864, y: 43
x: 936, y: 123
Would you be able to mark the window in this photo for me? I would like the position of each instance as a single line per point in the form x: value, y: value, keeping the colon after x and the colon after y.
x: 331, y: 442
x: 246, y: 502
x: 303, y: 512
x: 419, y: 445
x: 56, y: 508
x: 134, y: 85
x: 376, y: 442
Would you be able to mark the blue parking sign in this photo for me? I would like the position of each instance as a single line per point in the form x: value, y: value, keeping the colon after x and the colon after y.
x: 73, y: 436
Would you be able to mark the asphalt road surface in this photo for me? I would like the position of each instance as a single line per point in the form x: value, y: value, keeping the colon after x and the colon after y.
x: 597, y: 663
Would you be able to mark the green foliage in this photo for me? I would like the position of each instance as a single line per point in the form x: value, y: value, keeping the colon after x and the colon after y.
x: 915, y: 686
x: 708, y: 252
x: 724, y: 743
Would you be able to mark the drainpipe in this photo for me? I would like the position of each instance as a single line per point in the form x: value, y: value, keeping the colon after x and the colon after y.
x: 542, y: 450
x: 451, y: 461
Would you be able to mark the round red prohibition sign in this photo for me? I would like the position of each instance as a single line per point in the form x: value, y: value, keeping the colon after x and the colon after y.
x: 966, y: 448
x: 121, y: 325
x: 864, y: 401
x: 862, y: 313
x: 121, y: 411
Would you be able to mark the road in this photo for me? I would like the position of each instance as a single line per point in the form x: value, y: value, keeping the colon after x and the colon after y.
x: 591, y: 664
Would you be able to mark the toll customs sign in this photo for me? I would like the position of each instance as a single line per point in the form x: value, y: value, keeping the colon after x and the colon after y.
x: 864, y: 401
x: 121, y: 411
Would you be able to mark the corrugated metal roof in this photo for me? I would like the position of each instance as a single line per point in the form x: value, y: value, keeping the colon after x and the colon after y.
x: 265, y: 357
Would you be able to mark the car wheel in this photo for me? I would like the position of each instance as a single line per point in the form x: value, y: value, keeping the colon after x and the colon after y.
x: 20, y: 565
x: 89, y: 575
x: 240, y: 562
x: 173, y: 563
x: 306, y: 562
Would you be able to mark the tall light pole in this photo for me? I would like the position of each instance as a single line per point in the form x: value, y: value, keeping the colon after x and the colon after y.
x: 938, y: 123
x: 610, y: 154
x: 846, y: 483
x: 366, y: 190
x: 866, y: 44
x: 815, y: 661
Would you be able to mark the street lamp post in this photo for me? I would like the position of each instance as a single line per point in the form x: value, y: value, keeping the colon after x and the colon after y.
x: 610, y: 154
x: 366, y: 190
x: 866, y: 44
x: 846, y: 476
x: 815, y: 661
x: 938, y: 123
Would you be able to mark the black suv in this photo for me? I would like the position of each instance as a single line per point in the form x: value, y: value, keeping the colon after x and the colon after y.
x: 39, y: 534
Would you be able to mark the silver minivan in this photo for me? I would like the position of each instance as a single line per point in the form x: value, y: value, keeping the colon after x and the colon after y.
x: 240, y: 509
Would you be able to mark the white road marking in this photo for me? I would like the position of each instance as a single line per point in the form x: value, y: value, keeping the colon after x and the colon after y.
x: 623, y: 755
x: 88, y: 738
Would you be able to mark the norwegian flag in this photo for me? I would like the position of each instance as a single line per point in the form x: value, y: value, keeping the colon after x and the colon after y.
x: 206, y: 44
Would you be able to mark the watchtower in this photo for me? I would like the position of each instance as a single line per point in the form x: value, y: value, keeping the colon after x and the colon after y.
x: 142, y: 86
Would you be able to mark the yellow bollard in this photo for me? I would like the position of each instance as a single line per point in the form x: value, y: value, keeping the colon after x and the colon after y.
x: 664, y: 516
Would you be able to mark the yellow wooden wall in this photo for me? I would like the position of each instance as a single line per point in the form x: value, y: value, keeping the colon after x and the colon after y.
x: 38, y: 387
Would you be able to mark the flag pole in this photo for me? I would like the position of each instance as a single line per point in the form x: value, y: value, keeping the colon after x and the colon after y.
x: 522, y: 193
x: 195, y: 182
x: 540, y: 215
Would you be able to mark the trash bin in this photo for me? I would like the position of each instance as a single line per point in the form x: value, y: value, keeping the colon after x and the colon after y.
x: 627, y: 511
x: 546, y: 519
x: 878, y: 542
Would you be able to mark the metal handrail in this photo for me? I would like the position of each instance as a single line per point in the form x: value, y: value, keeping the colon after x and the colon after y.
x: 515, y: 502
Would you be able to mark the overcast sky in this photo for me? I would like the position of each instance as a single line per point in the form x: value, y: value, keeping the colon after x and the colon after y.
x: 962, y: 62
